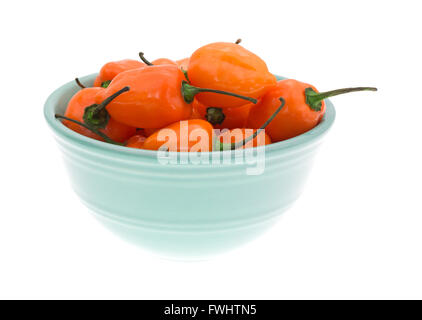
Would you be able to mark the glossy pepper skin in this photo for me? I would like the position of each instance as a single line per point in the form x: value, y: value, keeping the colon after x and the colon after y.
x: 195, y: 111
x: 75, y: 110
x: 189, y: 127
x: 239, y: 134
x: 295, y: 118
x: 229, y: 67
x: 154, y: 99
x: 163, y: 61
x: 137, y: 141
x: 112, y: 69
x: 183, y: 63
x: 230, y: 118
x: 150, y: 131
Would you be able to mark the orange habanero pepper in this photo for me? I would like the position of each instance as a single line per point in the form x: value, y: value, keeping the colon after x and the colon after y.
x: 158, y: 96
x: 182, y: 136
x: 229, y: 140
x: 304, y: 108
x: 193, y: 135
x: 183, y: 63
x: 112, y: 69
x: 228, y: 66
x: 137, y: 141
x: 160, y: 61
x: 75, y: 111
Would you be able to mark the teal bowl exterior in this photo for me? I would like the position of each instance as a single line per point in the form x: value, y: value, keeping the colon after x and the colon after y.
x: 182, y: 211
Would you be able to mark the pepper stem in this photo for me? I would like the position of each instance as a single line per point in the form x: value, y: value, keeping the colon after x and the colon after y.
x: 141, y: 55
x: 235, y: 145
x: 313, y: 98
x: 103, y: 104
x: 189, y: 92
x: 94, y: 130
x: 185, y: 72
x: 105, y: 84
x: 215, y: 115
x: 96, y: 115
x: 79, y: 83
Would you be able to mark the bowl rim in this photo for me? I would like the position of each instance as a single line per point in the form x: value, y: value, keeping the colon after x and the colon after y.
x: 56, y: 125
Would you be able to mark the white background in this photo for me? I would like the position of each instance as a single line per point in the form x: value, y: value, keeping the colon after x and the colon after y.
x: 356, y: 232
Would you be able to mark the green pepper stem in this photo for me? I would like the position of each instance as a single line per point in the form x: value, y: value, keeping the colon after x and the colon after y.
x: 185, y: 72
x: 96, y: 115
x: 313, y: 98
x: 235, y: 145
x: 189, y: 92
x: 106, y: 101
x: 215, y: 115
x: 97, y: 132
x: 79, y: 83
x: 141, y: 55
x: 105, y: 84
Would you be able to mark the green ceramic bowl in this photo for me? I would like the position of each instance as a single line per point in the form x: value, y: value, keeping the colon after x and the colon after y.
x: 188, y: 211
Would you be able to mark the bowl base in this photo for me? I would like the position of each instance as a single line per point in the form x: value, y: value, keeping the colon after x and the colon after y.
x: 187, y: 245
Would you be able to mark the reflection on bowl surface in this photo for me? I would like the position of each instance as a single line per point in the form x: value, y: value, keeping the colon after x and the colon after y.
x: 187, y: 211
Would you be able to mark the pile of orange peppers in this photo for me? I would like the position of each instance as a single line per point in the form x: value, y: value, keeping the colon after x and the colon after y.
x: 220, y: 86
